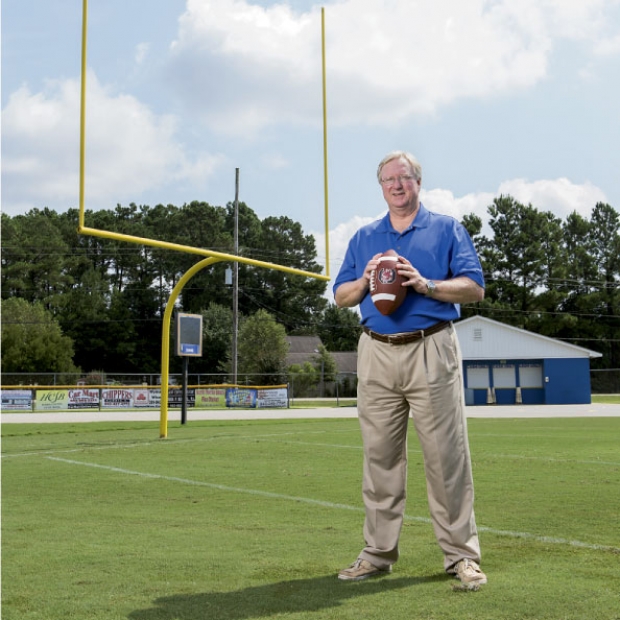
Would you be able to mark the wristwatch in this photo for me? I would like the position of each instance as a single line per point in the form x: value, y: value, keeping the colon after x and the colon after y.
x: 430, y: 288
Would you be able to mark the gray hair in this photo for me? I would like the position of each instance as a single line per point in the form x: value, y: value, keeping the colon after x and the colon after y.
x: 416, y: 168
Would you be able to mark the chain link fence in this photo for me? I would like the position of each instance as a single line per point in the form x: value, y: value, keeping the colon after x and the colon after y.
x: 605, y: 381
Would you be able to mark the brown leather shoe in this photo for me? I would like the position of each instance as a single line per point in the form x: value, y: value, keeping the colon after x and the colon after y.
x: 362, y: 569
x: 469, y: 573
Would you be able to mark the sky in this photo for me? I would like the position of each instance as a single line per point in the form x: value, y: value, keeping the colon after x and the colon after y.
x: 518, y: 97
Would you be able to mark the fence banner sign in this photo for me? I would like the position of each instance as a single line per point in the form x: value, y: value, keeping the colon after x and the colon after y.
x: 272, y: 397
x: 16, y: 400
x: 214, y: 398
x: 175, y: 397
x: 141, y: 398
x: 241, y: 397
x: 155, y: 398
x: 83, y: 398
x: 52, y: 400
x: 116, y: 398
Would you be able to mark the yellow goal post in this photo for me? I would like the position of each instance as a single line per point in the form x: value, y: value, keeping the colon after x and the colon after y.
x: 211, y: 255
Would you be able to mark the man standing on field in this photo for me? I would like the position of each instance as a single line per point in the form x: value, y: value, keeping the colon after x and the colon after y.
x: 409, y: 363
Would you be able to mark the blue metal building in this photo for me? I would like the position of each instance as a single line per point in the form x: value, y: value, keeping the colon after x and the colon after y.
x: 506, y: 365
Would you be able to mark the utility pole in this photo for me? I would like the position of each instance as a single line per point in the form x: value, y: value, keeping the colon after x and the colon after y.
x: 235, y: 282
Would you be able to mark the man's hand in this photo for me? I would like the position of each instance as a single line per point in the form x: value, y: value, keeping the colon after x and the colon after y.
x: 350, y: 294
x: 413, y: 277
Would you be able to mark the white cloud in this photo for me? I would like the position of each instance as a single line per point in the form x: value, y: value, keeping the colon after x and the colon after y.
x: 129, y: 149
x: 142, y: 50
x: 244, y: 67
x: 608, y: 47
x: 575, y: 19
x: 560, y: 196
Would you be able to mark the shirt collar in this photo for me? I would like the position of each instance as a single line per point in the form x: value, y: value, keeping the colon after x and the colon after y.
x: 421, y: 221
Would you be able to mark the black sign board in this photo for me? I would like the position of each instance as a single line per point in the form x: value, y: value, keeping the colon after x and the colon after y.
x: 189, y: 334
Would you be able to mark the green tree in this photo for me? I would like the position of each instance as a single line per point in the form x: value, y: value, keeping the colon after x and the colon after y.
x: 295, y: 300
x: 605, y: 242
x: 83, y: 315
x: 302, y: 378
x: 156, y: 221
x: 34, y: 256
x: 201, y: 225
x: 545, y: 316
x: 578, y: 306
x: 32, y: 340
x: 325, y: 366
x: 262, y: 349
x: 122, y: 344
x: 515, y: 259
x: 473, y: 225
x: 216, y: 338
x: 339, y: 328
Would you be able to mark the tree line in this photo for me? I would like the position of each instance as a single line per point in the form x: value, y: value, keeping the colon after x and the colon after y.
x: 72, y: 301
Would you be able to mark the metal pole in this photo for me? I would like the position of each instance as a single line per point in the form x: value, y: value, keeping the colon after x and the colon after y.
x: 83, y: 115
x: 165, y: 340
x: 235, y: 281
x: 325, y: 178
x: 184, y: 398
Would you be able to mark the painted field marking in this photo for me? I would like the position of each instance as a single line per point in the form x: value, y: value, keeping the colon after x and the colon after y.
x: 549, y: 459
x: 325, y: 504
x: 171, y: 442
x: 269, y: 436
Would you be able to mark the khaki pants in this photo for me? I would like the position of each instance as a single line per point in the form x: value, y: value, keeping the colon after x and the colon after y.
x: 423, y: 379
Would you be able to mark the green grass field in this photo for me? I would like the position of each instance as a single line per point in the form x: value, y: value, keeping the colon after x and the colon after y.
x: 610, y: 399
x: 247, y: 520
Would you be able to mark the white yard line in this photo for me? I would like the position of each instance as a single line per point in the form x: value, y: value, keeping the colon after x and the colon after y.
x: 274, y: 436
x: 325, y: 504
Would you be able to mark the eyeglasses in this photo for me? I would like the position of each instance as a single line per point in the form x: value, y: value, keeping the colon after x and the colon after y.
x: 401, y: 178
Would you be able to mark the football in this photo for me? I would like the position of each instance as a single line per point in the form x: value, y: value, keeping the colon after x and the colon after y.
x: 386, y: 290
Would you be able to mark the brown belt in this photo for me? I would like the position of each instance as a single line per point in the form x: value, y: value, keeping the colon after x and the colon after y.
x: 409, y: 337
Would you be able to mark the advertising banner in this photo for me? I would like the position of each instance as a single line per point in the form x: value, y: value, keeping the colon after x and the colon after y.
x: 83, y: 398
x: 175, y: 397
x: 52, y: 400
x: 16, y: 400
x: 116, y: 398
x: 155, y: 398
x: 141, y: 398
x: 214, y: 398
x: 241, y: 397
x: 272, y: 397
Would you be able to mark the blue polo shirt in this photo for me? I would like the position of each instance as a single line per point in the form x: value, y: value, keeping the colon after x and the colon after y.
x: 438, y: 246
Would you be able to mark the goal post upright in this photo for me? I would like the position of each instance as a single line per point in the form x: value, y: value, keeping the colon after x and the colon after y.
x: 325, y: 175
x: 83, y: 115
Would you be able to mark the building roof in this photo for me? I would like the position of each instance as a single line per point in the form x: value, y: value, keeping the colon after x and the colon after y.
x: 305, y: 349
x: 304, y: 344
x: 483, y: 338
x: 346, y: 361
x: 302, y: 349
